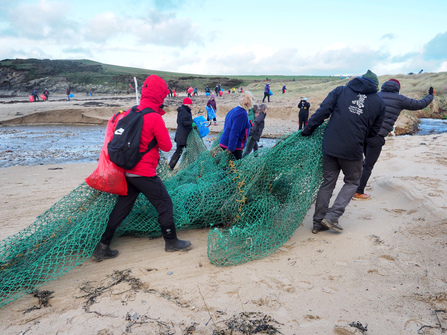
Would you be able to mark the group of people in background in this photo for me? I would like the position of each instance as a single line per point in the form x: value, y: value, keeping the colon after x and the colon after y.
x: 45, y: 95
x: 359, y: 120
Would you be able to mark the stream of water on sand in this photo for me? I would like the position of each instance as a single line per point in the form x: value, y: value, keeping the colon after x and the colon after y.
x: 56, y: 144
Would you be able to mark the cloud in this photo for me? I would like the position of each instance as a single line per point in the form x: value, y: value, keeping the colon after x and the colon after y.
x: 404, y: 58
x: 12, y: 53
x: 105, y: 26
x: 388, y: 37
x: 168, y: 4
x: 328, y: 60
x: 84, y: 52
x: 436, y: 49
x: 42, y: 21
x: 174, y: 5
x: 166, y: 29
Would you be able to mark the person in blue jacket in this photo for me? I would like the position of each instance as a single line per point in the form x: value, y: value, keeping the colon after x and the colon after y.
x: 266, y: 92
x: 237, y: 127
x: 356, y: 112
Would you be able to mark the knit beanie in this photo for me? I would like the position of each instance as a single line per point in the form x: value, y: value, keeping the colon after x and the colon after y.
x: 396, y: 81
x: 187, y: 101
x: 371, y: 76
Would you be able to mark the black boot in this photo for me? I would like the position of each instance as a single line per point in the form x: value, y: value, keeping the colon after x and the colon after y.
x: 172, y: 243
x: 318, y: 226
x: 177, y: 245
x: 103, y: 251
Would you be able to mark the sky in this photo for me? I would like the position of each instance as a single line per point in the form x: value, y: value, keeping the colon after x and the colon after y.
x: 252, y: 37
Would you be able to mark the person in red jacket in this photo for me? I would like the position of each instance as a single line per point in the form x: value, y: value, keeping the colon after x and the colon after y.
x: 143, y: 177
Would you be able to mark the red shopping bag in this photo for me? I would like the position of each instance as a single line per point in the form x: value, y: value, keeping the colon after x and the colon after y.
x: 108, y: 177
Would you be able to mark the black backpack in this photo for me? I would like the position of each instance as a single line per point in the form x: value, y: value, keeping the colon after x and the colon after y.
x: 124, y: 148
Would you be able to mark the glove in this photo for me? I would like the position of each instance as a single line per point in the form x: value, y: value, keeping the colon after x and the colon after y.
x: 306, y: 131
x: 431, y: 91
x: 194, y: 125
x: 227, y: 151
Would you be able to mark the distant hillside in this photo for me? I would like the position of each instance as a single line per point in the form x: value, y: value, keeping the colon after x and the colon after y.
x: 20, y: 76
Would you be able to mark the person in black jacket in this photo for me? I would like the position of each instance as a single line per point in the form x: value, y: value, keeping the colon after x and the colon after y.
x: 256, y: 129
x: 303, y: 115
x: 184, y: 127
x: 373, y: 145
x: 356, y: 111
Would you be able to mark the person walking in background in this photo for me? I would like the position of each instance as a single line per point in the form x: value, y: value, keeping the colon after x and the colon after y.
x: 266, y: 92
x: 237, y: 127
x: 184, y: 127
x: 68, y: 94
x: 216, y: 90
x: 35, y: 96
x: 46, y: 93
x: 256, y: 129
x: 284, y: 89
x: 303, y: 114
x: 211, y: 115
x: 196, y: 92
x: 356, y: 111
x: 143, y: 177
x: 373, y: 145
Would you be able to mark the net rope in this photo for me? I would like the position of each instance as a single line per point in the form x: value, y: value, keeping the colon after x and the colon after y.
x: 252, y: 207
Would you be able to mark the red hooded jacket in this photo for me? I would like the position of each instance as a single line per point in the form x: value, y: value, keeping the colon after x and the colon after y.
x: 153, y: 94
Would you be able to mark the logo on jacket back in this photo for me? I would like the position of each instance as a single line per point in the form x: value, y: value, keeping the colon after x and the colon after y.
x: 358, y: 105
x: 119, y: 131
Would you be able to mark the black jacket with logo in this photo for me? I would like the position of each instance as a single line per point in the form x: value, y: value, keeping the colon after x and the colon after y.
x: 356, y: 112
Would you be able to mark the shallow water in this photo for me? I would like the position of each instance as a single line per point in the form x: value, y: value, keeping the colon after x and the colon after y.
x: 432, y: 126
x: 58, y: 144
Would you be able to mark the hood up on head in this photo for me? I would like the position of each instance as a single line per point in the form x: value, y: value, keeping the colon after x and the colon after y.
x: 153, y: 94
x: 390, y: 86
x: 362, y: 85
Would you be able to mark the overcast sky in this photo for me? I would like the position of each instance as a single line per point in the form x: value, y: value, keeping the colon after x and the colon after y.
x: 288, y: 37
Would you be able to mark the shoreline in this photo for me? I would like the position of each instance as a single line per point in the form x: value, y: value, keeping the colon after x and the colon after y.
x: 282, y: 116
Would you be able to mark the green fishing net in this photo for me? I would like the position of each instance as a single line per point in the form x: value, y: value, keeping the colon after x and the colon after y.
x: 252, y: 207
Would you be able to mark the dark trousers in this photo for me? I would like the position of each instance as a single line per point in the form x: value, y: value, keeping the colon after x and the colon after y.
x: 303, y: 123
x: 176, y: 156
x: 303, y: 116
x: 332, y: 166
x: 373, y: 148
x: 158, y: 196
x: 236, y: 153
x: 251, y: 145
x: 266, y: 95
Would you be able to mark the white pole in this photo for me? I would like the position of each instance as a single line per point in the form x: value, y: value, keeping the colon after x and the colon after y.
x: 136, y: 89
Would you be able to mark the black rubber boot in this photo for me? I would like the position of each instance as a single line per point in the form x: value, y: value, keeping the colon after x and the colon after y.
x: 177, y: 245
x: 103, y: 251
x: 172, y: 243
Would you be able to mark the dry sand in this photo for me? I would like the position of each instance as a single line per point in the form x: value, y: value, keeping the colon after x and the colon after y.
x: 387, y: 269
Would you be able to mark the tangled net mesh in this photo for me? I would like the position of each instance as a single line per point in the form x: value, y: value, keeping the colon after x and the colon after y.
x: 252, y: 205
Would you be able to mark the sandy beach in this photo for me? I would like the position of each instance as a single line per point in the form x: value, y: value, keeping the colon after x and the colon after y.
x: 385, y: 273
